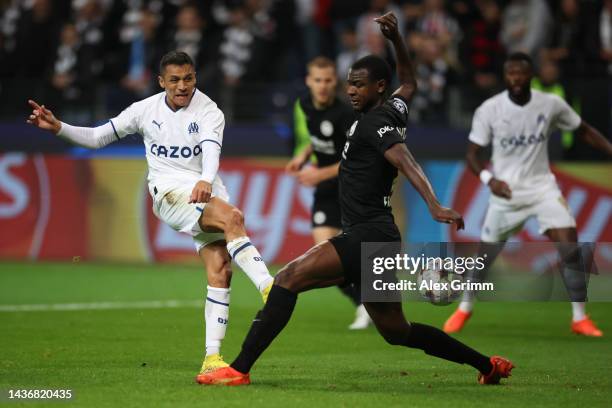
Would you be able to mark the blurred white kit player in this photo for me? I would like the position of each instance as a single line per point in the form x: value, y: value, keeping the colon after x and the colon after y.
x: 522, y: 183
x: 519, y: 137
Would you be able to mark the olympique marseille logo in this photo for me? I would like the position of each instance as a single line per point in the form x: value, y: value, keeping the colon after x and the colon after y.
x: 193, y: 128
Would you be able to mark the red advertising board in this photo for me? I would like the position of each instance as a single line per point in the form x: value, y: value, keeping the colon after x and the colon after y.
x: 43, y: 207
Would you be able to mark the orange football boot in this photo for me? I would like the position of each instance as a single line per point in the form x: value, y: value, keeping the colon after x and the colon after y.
x: 501, y: 369
x: 586, y: 327
x: 223, y: 376
x: 456, y: 321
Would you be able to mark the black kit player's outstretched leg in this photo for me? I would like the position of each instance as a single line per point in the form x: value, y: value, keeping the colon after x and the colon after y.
x: 321, y: 267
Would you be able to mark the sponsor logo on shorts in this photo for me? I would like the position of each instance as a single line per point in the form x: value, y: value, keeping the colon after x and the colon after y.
x: 319, y: 217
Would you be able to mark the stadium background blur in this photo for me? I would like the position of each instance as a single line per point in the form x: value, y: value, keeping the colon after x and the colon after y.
x: 126, y: 290
x: 89, y: 59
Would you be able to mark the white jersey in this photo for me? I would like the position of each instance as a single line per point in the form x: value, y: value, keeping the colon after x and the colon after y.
x: 519, y: 137
x: 174, y: 140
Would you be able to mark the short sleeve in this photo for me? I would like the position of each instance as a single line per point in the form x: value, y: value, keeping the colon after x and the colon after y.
x: 382, y: 131
x: 565, y: 117
x: 399, y: 107
x: 127, y: 122
x: 481, y: 130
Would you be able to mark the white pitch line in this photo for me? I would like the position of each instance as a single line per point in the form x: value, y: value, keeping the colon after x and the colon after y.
x: 146, y: 304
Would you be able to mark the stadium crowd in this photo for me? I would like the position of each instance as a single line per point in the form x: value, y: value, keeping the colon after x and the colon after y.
x: 61, y: 51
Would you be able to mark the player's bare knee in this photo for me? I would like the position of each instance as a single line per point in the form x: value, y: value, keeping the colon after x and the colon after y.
x: 287, y: 276
x: 234, y: 219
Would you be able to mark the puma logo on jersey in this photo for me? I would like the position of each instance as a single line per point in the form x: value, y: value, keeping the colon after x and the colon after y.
x: 157, y: 124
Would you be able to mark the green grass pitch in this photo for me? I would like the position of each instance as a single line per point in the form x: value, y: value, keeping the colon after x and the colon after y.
x: 149, y: 357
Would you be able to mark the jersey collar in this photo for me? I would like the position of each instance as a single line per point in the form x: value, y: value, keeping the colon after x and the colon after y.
x: 184, y: 107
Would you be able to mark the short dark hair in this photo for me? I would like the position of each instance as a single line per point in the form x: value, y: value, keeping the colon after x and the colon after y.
x: 520, y: 57
x: 321, y: 62
x: 175, y: 58
x: 376, y: 66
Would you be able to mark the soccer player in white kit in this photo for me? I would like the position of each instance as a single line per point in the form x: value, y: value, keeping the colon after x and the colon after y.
x: 518, y: 123
x: 182, y: 130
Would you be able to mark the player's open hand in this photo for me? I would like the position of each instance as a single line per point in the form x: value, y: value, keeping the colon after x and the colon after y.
x: 447, y: 216
x: 500, y: 188
x: 201, y: 192
x: 309, y: 176
x: 388, y: 26
x: 43, y: 118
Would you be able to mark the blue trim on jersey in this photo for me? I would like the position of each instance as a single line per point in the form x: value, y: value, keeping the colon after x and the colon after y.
x: 210, y: 140
x: 217, y: 302
x: 248, y: 244
x: 199, y: 209
x: 114, y: 130
x: 168, y: 105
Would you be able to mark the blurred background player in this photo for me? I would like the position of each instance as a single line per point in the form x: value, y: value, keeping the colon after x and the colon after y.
x: 518, y: 123
x: 182, y: 130
x: 321, y: 121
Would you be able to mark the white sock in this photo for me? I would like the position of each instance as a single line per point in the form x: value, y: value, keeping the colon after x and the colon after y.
x: 250, y: 261
x: 578, y: 311
x: 467, y: 301
x: 466, y: 306
x: 216, y: 314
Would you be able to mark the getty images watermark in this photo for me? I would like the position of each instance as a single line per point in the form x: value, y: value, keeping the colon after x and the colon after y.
x: 412, y: 265
x: 515, y: 271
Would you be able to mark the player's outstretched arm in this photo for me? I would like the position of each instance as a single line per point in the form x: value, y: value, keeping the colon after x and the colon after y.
x: 405, y: 68
x: 472, y: 157
x: 399, y: 156
x: 92, y: 138
x: 593, y: 137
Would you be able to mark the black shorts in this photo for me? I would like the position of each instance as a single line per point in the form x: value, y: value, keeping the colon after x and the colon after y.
x: 348, y: 245
x: 326, y: 212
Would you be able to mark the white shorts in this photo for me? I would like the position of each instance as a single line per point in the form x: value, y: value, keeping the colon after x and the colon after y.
x: 171, y: 205
x: 504, y: 218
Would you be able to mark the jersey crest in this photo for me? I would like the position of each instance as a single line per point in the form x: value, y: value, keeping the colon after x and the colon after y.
x: 193, y: 128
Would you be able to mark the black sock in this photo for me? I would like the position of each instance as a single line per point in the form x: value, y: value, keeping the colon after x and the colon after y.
x: 352, y: 292
x: 267, y: 324
x: 435, y: 342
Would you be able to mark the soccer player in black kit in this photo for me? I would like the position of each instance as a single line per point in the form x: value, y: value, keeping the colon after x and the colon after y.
x: 321, y: 121
x: 373, y: 154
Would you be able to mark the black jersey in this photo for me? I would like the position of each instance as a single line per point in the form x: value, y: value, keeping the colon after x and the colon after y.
x: 327, y: 129
x: 366, y: 177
